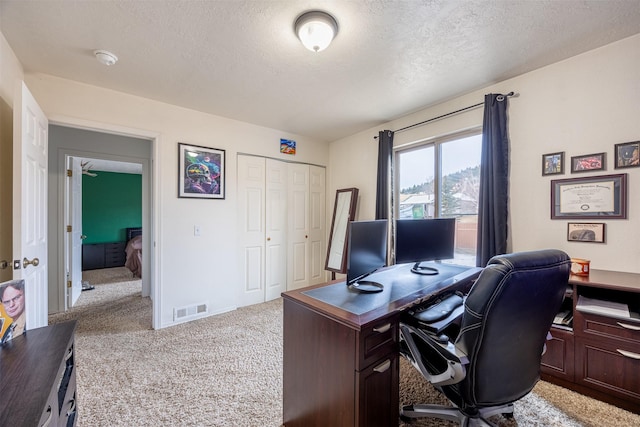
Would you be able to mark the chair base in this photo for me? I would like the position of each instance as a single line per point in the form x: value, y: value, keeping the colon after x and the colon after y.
x: 453, y: 414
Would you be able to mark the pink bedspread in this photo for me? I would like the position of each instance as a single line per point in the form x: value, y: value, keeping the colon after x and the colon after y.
x: 134, y: 256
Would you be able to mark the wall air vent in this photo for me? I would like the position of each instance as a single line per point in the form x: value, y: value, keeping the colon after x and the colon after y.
x: 181, y: 314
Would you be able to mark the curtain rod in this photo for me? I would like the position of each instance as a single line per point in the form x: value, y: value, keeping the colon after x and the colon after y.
x: 448, y: 114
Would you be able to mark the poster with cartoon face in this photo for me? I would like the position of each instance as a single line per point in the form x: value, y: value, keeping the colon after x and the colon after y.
x: 12, y: 310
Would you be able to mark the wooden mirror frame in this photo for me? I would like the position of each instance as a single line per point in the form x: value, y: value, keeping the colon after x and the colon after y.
x: 344, y: 210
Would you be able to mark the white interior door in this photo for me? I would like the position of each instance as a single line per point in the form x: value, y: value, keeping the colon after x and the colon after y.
x: 74, y: 235
x: 251, y: 211
x: 30, y: 148
x: 276, y: 229
x: 317, y: 245
x: 298, y: 208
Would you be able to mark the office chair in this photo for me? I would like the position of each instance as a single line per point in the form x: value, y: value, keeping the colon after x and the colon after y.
x: 485, y: 354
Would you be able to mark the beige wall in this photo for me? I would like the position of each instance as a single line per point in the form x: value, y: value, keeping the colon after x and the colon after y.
x: 582, y: 105
x: 190, y: 270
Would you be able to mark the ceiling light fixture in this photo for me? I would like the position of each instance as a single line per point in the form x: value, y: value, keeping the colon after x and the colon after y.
x: 105, y: 57
x: 316, y: 29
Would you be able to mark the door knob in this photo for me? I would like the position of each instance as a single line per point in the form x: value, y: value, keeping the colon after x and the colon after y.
x: 4, y: 264
x: 82, y: 237
x: 26, y: 262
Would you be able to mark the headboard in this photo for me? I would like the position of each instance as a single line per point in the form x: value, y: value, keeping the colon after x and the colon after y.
x: 133, y: 232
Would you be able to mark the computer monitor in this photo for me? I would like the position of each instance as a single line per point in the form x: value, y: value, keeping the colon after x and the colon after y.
x: 420, y: 240
x: 367, y: 252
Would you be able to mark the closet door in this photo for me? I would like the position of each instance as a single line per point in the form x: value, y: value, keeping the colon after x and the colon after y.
x: 317, y: 231
x: 307, y: 243
x: 251, y: 229
x: 298, y: 209
x: 276, y: 229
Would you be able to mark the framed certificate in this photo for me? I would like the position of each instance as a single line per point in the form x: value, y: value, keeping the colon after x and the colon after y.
x: 595, y: 197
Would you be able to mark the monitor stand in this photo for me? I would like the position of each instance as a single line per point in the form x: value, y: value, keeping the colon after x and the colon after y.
x: 424, y: 270
x: 366, y: 286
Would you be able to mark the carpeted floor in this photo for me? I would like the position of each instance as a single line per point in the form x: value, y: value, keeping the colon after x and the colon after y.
x: 226, y: 370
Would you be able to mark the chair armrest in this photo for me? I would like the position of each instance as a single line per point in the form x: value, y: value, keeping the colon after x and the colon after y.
x: 449, y: 357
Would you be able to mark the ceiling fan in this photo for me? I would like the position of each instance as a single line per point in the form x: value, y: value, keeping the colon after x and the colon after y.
x: 86, y: 169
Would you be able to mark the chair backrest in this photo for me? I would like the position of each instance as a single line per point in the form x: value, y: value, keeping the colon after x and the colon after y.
x: 508, y: 313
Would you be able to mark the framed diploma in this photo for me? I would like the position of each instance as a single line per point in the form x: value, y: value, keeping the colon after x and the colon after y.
x: 596, y: 197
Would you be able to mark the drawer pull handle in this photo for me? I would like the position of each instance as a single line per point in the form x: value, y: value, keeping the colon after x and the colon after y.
x: 49, y: 418
x: 69, y: 354
x: 382, y: 329
x: 627, y: 326
x: 629, y: 354
x: 383, y: 366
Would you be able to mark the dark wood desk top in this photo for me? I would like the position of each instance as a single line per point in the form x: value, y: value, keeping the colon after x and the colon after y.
x: 395, y: 302
x: 29, y: 369
x: 617, y: 280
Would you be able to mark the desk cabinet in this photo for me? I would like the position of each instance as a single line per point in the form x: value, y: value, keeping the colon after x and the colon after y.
x: 599, y: 355
x: 359, y: 370
x: 38, y: 386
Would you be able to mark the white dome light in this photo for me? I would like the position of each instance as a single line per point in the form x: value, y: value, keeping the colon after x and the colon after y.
x: 316, y: 30
x: 105, y: 57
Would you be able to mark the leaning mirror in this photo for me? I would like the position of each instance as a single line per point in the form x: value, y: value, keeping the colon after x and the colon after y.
x: 344, y: 210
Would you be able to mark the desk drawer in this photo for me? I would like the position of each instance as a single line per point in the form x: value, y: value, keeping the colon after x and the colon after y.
x: 608, y: 366
x: 594, y: 326
x: 378, y: 339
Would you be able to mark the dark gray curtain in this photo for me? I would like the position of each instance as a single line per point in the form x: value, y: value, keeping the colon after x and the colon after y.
x: 385, y: 162
x: 494, y: 180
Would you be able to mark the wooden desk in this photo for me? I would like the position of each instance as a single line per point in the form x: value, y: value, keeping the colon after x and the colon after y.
x: 38, y: 378
x: 599, y: 354
x: 340, y: 358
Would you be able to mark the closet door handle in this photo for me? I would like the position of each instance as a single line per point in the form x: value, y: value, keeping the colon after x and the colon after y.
x: 627, y: 326
x: 383, y: 366
x: 629, y: 354
x: 382, y: 329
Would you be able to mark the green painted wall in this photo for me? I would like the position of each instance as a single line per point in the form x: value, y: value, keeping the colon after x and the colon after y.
x: 111, y: 202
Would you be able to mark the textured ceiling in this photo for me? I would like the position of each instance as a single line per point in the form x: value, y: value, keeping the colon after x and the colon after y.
x: 242, y: 60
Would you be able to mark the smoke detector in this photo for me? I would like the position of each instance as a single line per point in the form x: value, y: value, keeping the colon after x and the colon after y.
x: 105, y: 57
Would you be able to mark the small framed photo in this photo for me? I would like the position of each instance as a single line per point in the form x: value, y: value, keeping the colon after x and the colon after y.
x: 553, y: 163
x: 627, y: 155
x: 588, y: 163
x: 585, y: 232
x: 201, y: 172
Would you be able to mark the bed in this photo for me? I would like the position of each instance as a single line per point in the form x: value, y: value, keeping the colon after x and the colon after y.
x: 133, y: 250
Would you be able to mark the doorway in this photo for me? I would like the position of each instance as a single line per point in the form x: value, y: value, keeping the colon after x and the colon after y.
x: 65, y: 142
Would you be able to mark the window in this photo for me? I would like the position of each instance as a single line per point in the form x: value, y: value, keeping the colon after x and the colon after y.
x: 441, y: 179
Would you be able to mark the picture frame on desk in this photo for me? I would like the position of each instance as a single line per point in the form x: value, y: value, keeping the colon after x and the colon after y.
x: 594, y: 197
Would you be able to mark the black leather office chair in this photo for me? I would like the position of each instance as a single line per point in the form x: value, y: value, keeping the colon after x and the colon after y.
x: 489, y: 356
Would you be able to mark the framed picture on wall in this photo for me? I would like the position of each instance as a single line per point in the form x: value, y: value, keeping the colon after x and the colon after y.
x: 594, y: 197
x: 201, y: 172
x: 585, y: 232
x: 627, y: 155
x: 588, y: 163
x: 553, y: 163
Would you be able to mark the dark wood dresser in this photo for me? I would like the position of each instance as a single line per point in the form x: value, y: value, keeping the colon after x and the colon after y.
x: 596, y: 351
x: 103, y: 255
x: 38, y: 378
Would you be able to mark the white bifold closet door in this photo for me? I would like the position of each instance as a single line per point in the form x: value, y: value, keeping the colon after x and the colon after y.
x: 282, y: 228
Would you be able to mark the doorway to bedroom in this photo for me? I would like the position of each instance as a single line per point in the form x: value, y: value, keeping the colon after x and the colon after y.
x: 101, y: 157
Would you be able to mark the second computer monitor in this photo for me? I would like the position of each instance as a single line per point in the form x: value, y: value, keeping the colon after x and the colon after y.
x: 420, y: 240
